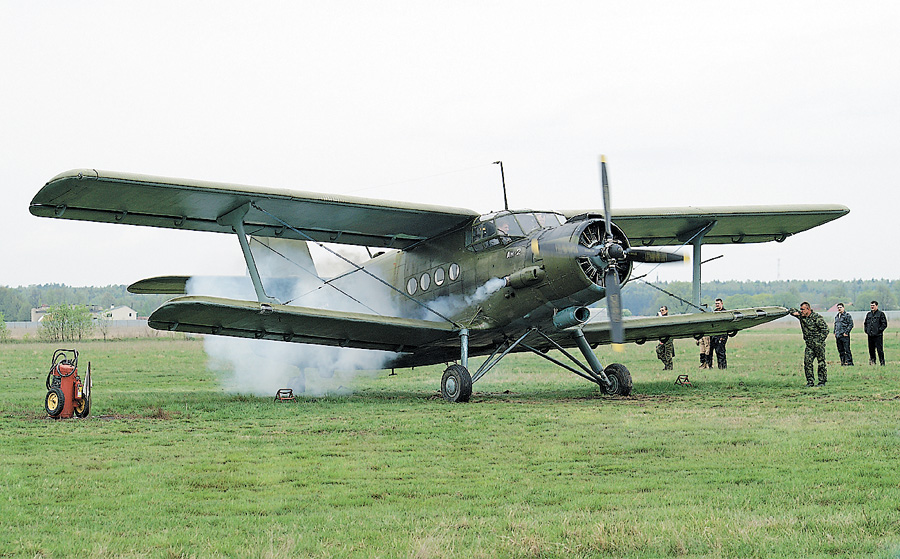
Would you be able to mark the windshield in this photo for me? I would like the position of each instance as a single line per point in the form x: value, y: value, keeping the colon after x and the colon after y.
x: 503, y: 227
x: 507, y: 225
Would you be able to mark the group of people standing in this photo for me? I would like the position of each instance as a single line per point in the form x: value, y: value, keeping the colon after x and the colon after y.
x: 709, y: 345
x: 815, y: 332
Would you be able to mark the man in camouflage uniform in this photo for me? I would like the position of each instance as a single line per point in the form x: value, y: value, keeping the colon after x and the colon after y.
x: 665, y: 350
x: 815, y: 331
x: 717, y: 343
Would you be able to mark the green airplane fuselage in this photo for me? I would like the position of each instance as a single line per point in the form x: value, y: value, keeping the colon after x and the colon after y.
x: 504, y: 272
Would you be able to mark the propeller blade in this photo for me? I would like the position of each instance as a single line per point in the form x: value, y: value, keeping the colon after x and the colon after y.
x: 614, y: 305
x: 653, y: 256
x: 604, y: 186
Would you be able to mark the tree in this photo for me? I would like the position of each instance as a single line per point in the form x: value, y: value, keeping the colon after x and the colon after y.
x: 4, y: 331
x: 104, y: 323
x: 66, y: 323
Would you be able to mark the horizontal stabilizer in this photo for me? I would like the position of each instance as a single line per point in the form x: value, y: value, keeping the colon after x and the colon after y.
x: 162, y: 285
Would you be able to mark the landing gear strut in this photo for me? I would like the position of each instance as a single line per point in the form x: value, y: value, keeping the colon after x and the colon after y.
x: 456, y: 384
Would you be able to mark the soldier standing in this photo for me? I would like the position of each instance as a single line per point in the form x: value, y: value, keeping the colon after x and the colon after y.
x: 665, y: 351
x: 705, y: 352
x: 717, y: 343
x: 815, y: 331
x: 843, y: 323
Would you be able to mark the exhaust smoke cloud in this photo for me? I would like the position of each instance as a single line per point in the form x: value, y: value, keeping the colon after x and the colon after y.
x: 261, y: 367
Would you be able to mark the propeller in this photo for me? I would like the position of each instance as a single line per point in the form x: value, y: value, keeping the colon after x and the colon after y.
x: 642, y: 255
x: 653, y: 256
x: 611, y: 252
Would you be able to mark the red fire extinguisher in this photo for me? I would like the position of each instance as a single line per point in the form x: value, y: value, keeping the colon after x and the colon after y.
x: 67, y: 395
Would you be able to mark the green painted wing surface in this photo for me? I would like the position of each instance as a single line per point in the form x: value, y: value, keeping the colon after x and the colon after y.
x: 730, y: 224
x: 681, y: 326
x: 247, y: 319
x: 91, y: 195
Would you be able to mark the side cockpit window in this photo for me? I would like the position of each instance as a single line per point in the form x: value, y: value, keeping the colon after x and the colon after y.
x: 483, y: 230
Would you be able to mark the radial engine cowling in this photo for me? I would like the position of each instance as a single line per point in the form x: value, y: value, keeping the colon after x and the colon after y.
x: 592, y: 237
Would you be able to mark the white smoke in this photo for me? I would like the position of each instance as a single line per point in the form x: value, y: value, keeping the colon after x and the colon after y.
x: 262, y: 367
x: 452, y: 304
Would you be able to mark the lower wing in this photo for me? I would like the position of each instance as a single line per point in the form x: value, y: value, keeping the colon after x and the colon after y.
x: 248, y: 319
x: 694, y: 325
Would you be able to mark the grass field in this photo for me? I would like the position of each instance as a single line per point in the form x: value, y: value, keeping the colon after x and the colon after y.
x: 745, y: 463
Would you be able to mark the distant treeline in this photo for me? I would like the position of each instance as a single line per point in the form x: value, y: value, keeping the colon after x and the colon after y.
x: 643, y: 299
x: 16, y: 302
x: 639, y: 298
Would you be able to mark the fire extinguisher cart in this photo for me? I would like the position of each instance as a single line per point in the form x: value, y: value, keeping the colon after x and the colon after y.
x: 67, y: 395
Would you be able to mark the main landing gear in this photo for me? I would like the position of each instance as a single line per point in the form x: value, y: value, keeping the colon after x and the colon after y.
x: 456, y: 384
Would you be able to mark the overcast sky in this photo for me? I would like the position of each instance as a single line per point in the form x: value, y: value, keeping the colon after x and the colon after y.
x: 694, y: 103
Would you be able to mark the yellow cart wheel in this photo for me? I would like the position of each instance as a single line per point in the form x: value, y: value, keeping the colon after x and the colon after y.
x: 54, y: 402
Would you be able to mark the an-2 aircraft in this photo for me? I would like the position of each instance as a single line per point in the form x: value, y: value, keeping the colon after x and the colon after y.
x: 543, y: 268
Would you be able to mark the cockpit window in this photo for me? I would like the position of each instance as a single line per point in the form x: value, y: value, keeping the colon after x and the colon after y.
x: 528, y: 222
x: 507, y: 225
x: 502, y: 228
x: 483, y: 230
x: 546, y: 219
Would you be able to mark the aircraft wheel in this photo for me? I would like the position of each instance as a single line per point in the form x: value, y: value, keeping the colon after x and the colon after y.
x: 619, y: 378
x: 456, y: 384
x: 54, y: 402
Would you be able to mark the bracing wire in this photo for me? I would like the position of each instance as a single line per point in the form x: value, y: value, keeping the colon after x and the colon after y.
x: 324, y: 282
x: 354, y: 264
x: 645, y: 282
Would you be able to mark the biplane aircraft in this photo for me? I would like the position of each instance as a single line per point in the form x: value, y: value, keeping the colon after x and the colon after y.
x: 460, y: 284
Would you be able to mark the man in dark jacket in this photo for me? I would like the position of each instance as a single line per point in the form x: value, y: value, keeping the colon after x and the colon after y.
x: 815, y: 330
x: 875, y: 325
x: 843, y: 323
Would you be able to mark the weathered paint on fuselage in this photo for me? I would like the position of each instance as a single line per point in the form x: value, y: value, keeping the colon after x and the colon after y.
x: 554, y: 281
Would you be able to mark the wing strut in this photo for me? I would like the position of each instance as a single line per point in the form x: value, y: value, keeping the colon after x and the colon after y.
x: 235, y: 218
x: 697, y: 241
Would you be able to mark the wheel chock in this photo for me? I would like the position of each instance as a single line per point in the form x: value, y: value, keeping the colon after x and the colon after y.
x: 284, y: 395
x: 683, y: 380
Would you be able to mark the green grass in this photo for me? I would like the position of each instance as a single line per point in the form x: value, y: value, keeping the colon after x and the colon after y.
x: 747, y: 462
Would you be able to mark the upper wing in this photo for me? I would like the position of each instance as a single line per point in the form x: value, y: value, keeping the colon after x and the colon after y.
x: 246, y: 319
x: 91, y: 195
x: 683, y: 325
x: 727, y: 224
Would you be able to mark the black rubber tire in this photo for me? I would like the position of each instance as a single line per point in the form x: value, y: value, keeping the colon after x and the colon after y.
x: 456, y: 384
x: 620, y: 379
x: 54, y: 402
x: 85, y: 410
